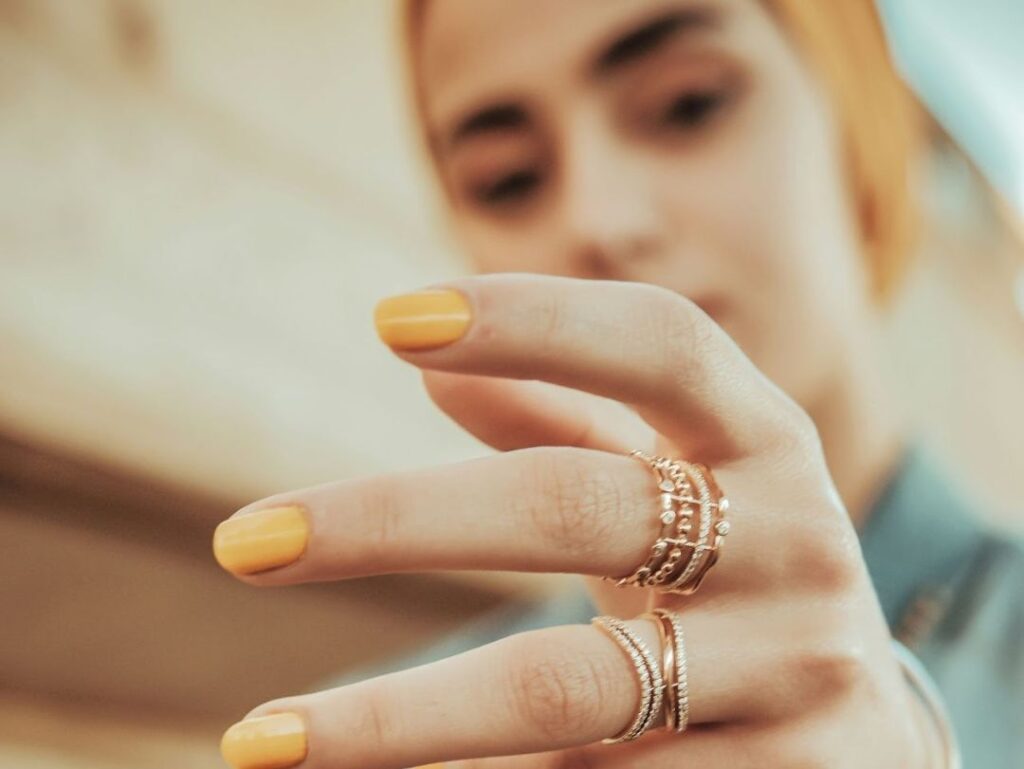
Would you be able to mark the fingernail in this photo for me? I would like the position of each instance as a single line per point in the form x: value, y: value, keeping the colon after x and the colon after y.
x: 267, y: 742
x: 422, y: 320
x: 261, y: 540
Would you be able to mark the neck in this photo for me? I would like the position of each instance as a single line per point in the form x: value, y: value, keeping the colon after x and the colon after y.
x: 861, y: 435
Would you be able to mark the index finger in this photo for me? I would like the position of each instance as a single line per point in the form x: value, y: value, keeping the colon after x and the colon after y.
x: 637, y: 343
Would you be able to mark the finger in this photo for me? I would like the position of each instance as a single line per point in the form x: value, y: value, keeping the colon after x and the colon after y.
x: 809, y: 740
x: 548, y: 509
x: 549, y: 689
x: 635, y: 343
x: 732, y: 746
x: 511, y: 414
x: 533, y: 413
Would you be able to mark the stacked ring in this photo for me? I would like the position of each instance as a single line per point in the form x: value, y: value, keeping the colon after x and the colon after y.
x: 652, y: 682
x: 677, y: 693
x: 691, y: 514
x: 666, y: 684
x: 710, y: 536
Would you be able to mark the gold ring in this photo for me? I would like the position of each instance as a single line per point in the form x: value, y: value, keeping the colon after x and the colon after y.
x: 652, y: 682
x: 692, y: 527
x: 674, y: 670
x: 665, y: 685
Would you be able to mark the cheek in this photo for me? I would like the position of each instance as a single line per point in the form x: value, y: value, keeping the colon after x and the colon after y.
x: 733, y: 209
x: 766, y: 213
x: 796, y: 194
x: 529, y: 247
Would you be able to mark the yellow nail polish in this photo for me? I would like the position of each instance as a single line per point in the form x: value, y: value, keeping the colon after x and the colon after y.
x: 422, y: 320
x: 261, y: 540
x: 277, y: 741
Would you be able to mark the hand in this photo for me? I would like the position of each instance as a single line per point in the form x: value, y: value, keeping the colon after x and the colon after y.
x: 789, y: 656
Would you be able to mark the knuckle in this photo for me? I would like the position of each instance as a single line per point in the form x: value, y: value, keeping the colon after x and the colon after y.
x: 831, y: 670
x: 794, y: 435
x: 682, y: 332
x: 555, y: 695
x: 838, y: 574
x: 820, y: 545
x: 549, y: 316
x: 377, y: 722
x: 575, y: 506
x: 825, y: 555
x: 804, y: 439
x: 379, y: 497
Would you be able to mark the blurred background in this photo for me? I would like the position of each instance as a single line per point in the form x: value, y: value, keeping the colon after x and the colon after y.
x: 200, y: 204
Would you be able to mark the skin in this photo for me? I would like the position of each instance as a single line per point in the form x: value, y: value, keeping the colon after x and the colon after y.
x: 692, y: 287
x: 737, y: 200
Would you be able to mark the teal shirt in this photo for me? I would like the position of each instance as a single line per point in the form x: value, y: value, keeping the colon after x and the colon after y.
x: 951, y: 590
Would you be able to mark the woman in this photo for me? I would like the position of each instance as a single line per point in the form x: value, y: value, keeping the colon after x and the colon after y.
x: 688, y: 213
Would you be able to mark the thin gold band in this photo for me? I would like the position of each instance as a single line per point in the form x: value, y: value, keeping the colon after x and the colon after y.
x: 652, y: 683
x: 664, y: 689
x: 691, y: 513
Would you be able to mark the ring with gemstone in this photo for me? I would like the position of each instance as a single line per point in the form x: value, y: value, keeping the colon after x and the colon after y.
x: 691, y: 516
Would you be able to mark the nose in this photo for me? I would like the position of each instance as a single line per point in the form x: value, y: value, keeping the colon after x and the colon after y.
x: 608, y: 207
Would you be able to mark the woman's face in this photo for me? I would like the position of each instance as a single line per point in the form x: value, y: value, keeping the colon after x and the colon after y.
x: 680, y: 143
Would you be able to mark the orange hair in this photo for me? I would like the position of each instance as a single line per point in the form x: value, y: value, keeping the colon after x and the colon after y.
x: 881, y: 122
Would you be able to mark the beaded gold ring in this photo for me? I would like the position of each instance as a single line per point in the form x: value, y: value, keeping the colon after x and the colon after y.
x: 692, y: 527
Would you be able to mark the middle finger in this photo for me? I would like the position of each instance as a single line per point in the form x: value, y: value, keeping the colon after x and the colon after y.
x: 544, y: 509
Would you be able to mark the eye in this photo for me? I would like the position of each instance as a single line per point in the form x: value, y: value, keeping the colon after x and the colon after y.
x: 511, y: 188
x: 692, y: 109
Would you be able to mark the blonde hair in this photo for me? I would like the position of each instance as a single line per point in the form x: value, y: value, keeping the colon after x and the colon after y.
x: 882, y: 124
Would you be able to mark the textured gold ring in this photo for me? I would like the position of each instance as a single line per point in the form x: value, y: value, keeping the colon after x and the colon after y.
x: 692, y: 527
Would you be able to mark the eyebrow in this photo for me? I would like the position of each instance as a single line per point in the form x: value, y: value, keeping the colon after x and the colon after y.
x: 651, y: 35
x: 637, y: 43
